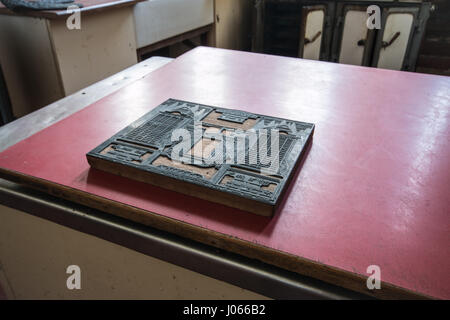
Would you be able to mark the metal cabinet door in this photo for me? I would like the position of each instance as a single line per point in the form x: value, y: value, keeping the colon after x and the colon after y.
x: 353, y: 41
x: 315, y: 31
x: 394, y: 38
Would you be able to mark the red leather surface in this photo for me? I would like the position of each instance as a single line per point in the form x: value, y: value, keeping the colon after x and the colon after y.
x: 373, y: 189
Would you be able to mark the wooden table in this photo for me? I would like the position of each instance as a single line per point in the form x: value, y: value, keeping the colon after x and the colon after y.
x: 371, y: 191
x: 187, y: 269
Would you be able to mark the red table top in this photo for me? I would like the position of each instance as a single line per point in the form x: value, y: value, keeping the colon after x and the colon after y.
x: 373, y: 189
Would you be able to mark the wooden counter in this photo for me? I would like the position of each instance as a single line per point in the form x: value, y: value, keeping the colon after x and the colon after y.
x: 373, y: 189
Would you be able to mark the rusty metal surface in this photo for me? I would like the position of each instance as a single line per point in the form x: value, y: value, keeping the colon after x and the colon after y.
x: 147, y: 139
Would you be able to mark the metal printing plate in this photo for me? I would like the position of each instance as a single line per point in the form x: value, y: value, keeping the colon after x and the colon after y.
x: 226, y: 150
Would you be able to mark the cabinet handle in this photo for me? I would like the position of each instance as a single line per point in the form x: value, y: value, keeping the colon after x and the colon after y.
x: 317, y: 35
x: 386, y: 44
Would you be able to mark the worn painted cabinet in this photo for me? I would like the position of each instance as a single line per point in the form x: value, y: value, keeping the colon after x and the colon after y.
x: 394, y: 43
x: 353, y: 41
x: 315, y: 30
x: 43, y: 60
x: 338, y: 31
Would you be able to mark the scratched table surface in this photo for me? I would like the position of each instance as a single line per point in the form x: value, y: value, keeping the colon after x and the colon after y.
x: 372, y: 190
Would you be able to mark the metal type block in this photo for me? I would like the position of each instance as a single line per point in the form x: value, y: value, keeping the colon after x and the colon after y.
x: 232, y: 157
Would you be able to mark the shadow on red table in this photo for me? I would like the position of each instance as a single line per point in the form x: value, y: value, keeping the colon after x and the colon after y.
x: 180, y: 206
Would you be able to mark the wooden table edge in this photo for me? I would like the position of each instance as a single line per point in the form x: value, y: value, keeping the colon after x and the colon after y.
x: 300, y: 265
